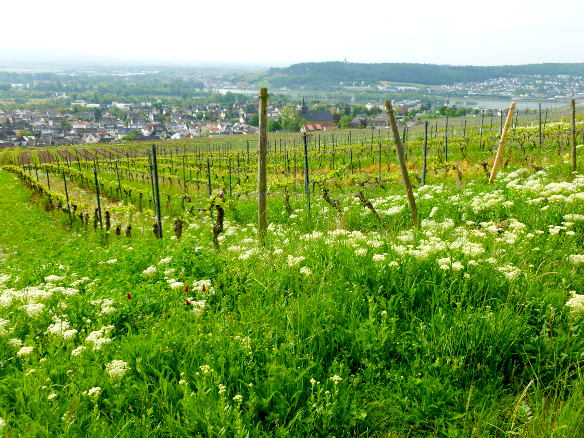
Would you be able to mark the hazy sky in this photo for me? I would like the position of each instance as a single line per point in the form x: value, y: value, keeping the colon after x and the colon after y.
x: 262, y: 32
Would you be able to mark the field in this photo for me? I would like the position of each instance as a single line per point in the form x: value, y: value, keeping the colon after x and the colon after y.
x: 345, y: 320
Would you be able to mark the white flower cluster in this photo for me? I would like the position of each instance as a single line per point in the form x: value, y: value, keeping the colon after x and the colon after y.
x: 509, y: 271
x: 486, y: 201
x: 576, y: 302
x: 576, y: 259
x: 93, y: 393
x: 99, y: 337
x: 198, y: 306
x: 424, y: 249
x: 24, y: 351
x: 4, y: 330
x: 149, y: 271
x: 61, y: 328
x: 293, y: 261
x: 446, y: 263
x: 106, y: 305
x: 305, y: 270
x: 117, y: 368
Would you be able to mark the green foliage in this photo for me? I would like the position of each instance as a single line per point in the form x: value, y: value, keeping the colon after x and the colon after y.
x: 331, y: 327
x: 133, y: 136
x: 345, y: 122
x: 331, y: 73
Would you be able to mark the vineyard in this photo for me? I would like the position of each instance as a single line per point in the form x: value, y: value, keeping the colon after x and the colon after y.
x: 139, y: 296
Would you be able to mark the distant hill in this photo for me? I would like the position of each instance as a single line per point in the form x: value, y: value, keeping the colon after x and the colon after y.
x: 324, y: 74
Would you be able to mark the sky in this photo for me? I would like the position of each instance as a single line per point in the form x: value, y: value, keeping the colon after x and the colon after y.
x: 277, y: 33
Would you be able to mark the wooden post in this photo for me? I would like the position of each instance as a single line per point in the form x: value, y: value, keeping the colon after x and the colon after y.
x: 481, y: 133
x: 446, y: 140
x: 97, y: 197
x: 306, y: 177
x: 48, y: 179
x: 209, y: 189
x: 156, y: 191
x: 573, y: 135
x: 379, y: 164
x: 184, y: 174
x: 501, y: 143
x: 425, y: 153
x: 67, y: 198
x: 229, y: 170
x: 119, y: 183
x: 262, y: 152
x: 540, y: 133
x: 402, y: 163
x: 294, y: 171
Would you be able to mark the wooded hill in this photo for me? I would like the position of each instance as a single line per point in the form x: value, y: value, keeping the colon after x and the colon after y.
x: 326, y: 74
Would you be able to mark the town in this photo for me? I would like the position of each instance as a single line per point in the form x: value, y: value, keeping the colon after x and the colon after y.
x: 89, y: 123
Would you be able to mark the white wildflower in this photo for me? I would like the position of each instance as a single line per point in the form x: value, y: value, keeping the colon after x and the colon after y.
x: 360, y: 251
x: 576, y: 259
x: 379, y: 257
x: 24, y: 351
x: 576, y: 302
x: 33, y: 309
x: 509, y: 271
x: 293, y: 261
x: 77, y: 351
x: 149, y: 271
x: 305, y: 270
x: 15, y: 342
x: 117, y: 368
x: 177, y: 285
x: 93, y: 393
x: 336, y: 379
x: 165, y: 260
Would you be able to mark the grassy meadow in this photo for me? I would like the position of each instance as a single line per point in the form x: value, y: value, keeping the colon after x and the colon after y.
x: 342, y: 323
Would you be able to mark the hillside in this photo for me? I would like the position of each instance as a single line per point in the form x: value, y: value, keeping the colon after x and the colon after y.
x: 323, y: 74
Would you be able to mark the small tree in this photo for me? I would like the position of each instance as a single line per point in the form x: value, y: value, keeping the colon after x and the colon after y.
x: 345, y: 122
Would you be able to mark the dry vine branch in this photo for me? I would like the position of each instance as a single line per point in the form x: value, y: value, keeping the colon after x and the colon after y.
x: 367, y: 203
x: 336, y: 205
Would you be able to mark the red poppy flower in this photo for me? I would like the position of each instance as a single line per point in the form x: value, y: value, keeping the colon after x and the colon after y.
x: 186, y: 287
x: 129, y: 296
x: 203, y: 288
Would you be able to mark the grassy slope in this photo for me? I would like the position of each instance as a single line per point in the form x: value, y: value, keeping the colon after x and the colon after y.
x: 420, y: 352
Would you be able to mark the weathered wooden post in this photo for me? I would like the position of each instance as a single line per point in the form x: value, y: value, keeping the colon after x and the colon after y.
x: 446, y: 140
x: 97, y: 197
x: 501, y: 143
x: 573, y: 135
x: 229, y: 170
x: 209, y: 188
x: 402, y: 163
x: 156, y: 192
x: 425, y: 153
x: 306, y: 176
x: 379, y: 164
x: 540, y: 133
x: 262, y: 152
x: 119, y: 183
x: 48, y: 179
x: 67, y: 198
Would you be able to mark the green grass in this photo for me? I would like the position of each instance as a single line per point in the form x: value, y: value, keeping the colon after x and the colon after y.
x: 458, y: 329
